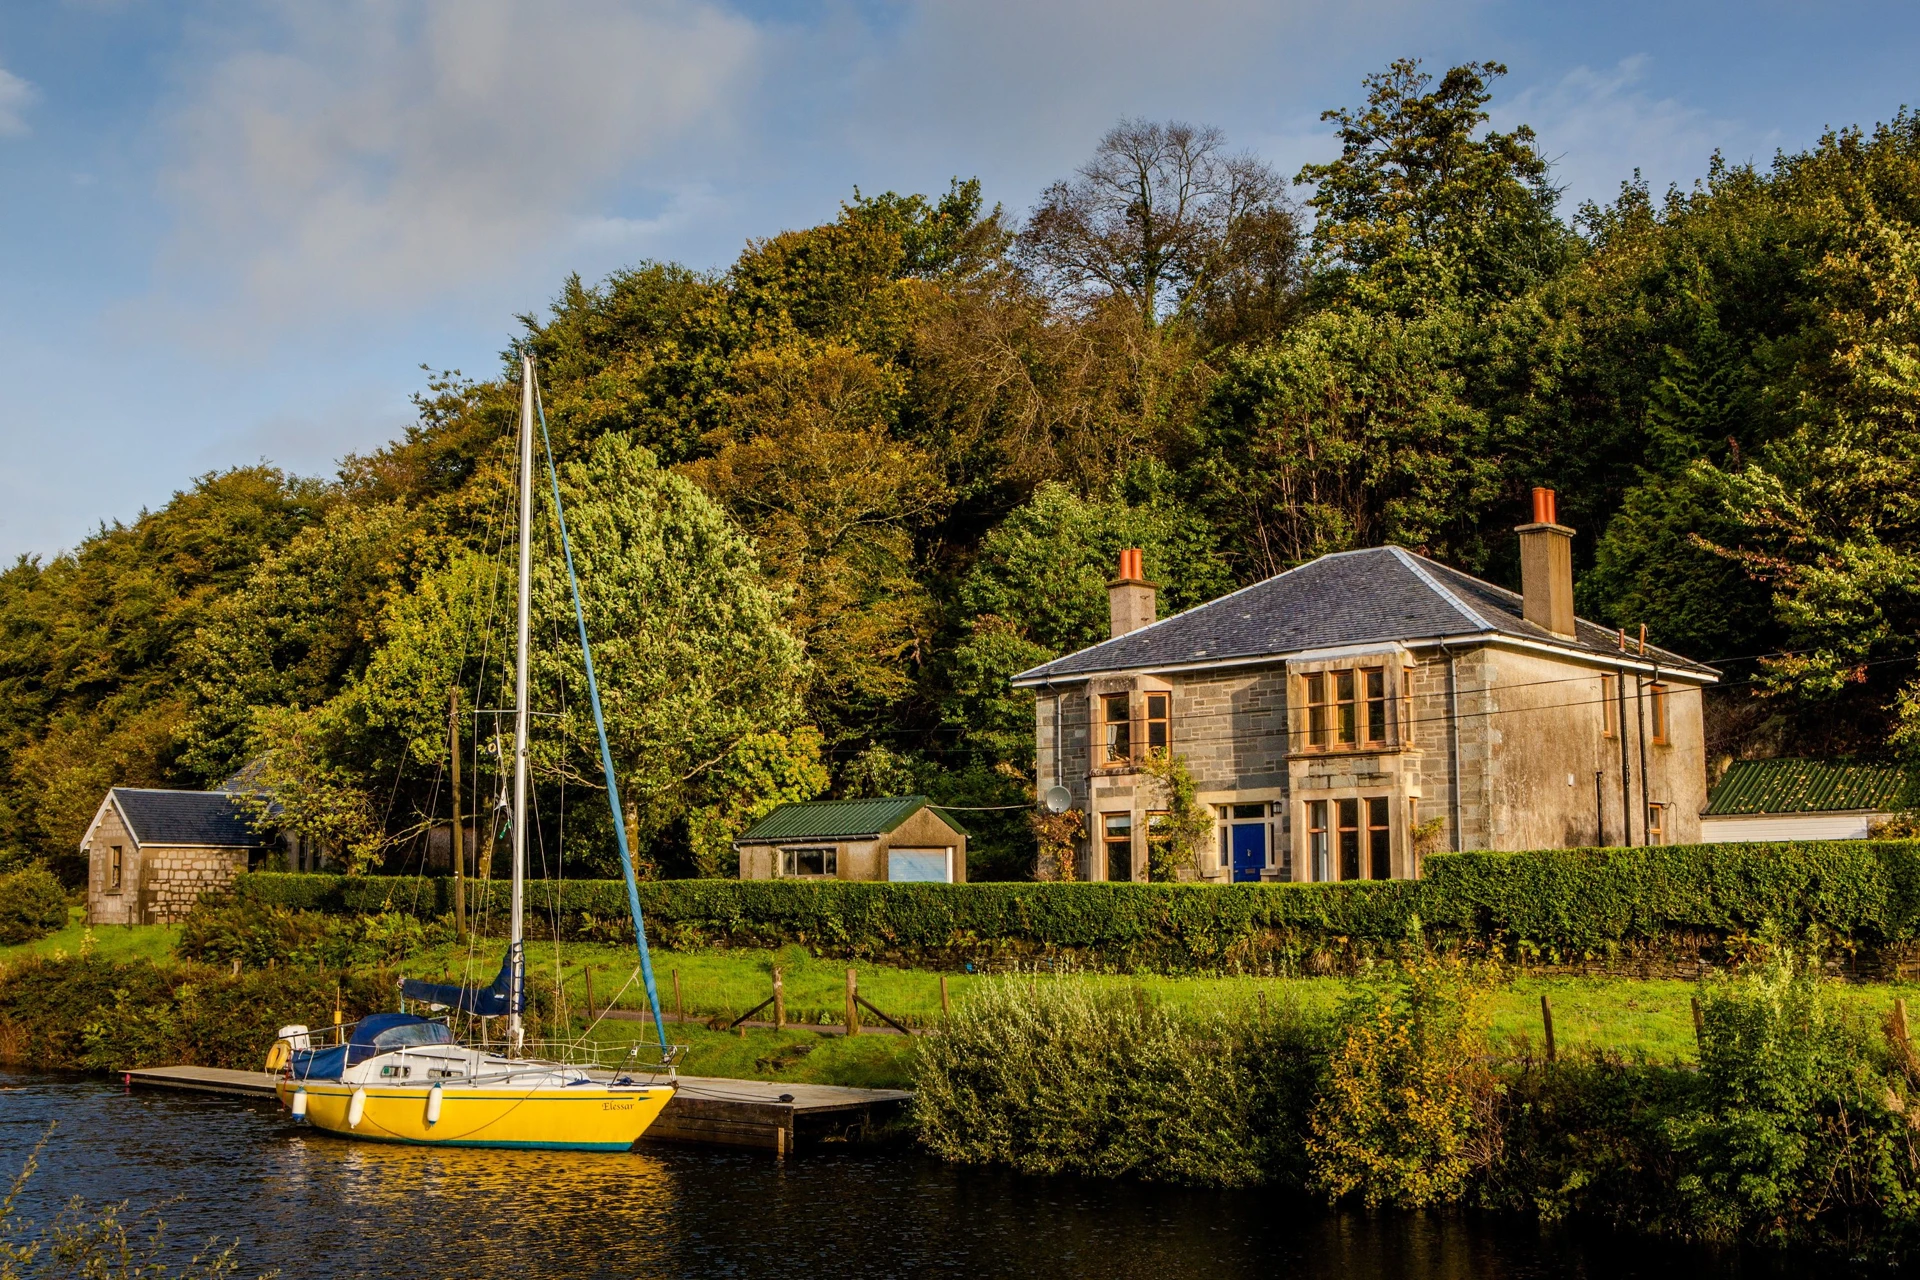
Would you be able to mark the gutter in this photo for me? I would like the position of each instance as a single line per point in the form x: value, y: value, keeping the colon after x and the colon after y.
x: 1698, y: 676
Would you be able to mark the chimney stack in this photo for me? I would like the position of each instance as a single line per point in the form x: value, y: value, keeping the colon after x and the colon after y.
x: 1130, y: 597
x: 1546, y: 567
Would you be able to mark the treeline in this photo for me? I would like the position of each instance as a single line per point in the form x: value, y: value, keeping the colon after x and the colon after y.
x: 825, y: 501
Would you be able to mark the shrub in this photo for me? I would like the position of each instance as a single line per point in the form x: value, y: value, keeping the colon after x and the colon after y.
x: 32, y: 905
x: 259, y: 934
x: 96, y: 1014
x: 1563, y: 905
x: 1404, y: 1115
x: 1060, y: 1077
x: 1802, y: 1133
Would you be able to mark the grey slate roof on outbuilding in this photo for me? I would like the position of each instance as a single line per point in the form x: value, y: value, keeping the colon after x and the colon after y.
x: 839, y: 819
x: 203, y: 818
x: 1374, y: 596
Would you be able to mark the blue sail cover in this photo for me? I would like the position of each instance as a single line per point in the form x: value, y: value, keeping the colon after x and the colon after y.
x: 484, y: 1002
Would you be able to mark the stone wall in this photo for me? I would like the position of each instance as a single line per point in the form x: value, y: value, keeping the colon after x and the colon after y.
x: 106, y: 902
x: 172, y: 879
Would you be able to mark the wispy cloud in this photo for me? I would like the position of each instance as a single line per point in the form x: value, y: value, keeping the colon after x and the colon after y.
x: 363, y: 154
x: 1599, y: 126
x: 16, y: 95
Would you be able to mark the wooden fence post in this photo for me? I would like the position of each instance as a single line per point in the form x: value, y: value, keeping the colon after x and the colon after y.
x: 1902, y: 1041
x: 853, y: 1008
x: 945, y: 1008
x: 679, y: 1006
x: 779, y: 1001
x: 1699, y: 1026
x: 1546, y: 1020
x: 589, y: 993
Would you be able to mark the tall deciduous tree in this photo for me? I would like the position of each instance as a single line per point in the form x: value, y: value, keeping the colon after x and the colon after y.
x: 1164, y: 218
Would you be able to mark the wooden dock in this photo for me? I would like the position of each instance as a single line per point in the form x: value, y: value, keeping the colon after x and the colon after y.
x: 765, y: 1115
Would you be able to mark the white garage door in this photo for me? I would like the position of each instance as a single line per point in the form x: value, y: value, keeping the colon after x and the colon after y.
x: 919, y: 864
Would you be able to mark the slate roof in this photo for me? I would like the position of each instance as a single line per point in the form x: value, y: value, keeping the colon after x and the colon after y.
x: 838, y: 819
x: 186, y: 818
x: 1377, y: 595
x: 1810, y: 786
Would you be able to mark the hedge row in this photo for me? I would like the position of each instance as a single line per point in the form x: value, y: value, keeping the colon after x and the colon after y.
x: 1563, y: 904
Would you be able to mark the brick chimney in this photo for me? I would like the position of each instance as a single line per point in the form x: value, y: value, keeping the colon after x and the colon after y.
x: 1130, y: 597
x: 1546, y: 567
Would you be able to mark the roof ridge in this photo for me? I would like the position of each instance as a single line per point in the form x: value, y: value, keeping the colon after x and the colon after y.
x: 1413, y: 562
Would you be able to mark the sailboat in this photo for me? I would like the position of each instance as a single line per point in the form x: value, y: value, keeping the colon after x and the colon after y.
x: 404, y: 1077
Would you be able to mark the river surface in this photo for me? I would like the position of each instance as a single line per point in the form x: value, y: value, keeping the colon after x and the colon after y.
x: 314, y: 1205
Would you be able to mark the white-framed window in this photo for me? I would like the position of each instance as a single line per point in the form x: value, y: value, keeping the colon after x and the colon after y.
x: 810, y: 861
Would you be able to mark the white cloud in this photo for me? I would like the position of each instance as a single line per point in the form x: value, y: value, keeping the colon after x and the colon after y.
x: 1599, y: 126
x: 16, y: 95
x: 376, y: 155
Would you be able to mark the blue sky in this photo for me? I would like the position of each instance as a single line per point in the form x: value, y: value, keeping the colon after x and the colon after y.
x: 234, y: 231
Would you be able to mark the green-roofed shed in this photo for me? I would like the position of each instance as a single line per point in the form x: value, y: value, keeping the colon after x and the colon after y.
x: 891, y: 838
x: 1804, y: 800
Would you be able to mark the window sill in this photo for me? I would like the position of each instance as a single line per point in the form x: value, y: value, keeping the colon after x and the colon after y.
x: 1320, y: 753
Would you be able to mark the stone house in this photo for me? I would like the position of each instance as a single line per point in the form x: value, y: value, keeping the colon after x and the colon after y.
x: 152, y: 853
x: 899, y: 838
x: 1345, y: 717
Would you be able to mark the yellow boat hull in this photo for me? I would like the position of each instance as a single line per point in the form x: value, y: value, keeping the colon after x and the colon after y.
x: 582, y: 1118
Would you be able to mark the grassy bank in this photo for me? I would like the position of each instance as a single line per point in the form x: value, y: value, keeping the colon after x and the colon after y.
x: 1639, y: 1019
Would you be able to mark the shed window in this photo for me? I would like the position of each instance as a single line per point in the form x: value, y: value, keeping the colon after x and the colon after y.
x: 1159, y: 718
x: 810, y: 862
x: 1659, y: 700
x: 115, y: 865
x: 1610, y: 706
x: 1114, y: 711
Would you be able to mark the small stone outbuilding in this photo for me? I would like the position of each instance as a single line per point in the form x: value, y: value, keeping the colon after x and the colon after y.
x: 898, y: 838
x: 152, y: 853
x: 1805, y: 800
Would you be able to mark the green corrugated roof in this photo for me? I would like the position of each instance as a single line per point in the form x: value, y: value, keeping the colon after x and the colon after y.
x: 1810, y: 786
x: 839, y: 819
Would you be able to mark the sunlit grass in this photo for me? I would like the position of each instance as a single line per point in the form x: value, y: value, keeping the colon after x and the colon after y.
x: 1646, y: 1019
x: 110, y: 941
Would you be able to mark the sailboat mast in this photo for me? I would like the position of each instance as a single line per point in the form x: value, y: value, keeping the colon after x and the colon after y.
x: 515, y: 1032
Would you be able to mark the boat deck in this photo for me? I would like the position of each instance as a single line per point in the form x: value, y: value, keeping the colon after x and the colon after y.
x: 768, y: 1115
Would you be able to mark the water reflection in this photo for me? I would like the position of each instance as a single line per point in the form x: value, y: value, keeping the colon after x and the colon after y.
x: 319, y: 1206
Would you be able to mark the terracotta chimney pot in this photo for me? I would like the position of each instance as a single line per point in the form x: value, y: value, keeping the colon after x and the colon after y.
x: 1131, y: 599
x: 1546, y: 568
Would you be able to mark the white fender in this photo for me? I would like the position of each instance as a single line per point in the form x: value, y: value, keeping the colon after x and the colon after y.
x: 300, y: 1105
x: 433, y: 1106
x: 356, y: 1107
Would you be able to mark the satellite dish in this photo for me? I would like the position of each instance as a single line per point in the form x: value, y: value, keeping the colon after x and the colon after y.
x: 1059, y: 799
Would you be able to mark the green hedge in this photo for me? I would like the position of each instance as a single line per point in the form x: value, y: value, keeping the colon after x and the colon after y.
x: 1561, y: 904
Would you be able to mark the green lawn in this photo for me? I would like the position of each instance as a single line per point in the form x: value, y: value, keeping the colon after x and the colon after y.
x: 110, y: 941
x: 1650, y: 1019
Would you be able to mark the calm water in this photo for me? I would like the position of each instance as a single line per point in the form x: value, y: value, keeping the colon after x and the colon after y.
x: 314, y: 1205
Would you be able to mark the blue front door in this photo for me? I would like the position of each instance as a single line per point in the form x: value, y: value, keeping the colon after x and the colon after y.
x: 1249, y: 850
